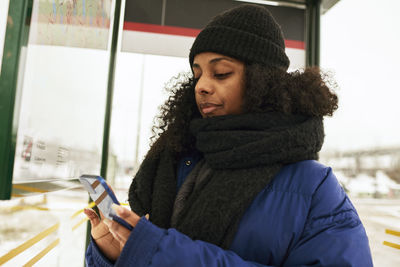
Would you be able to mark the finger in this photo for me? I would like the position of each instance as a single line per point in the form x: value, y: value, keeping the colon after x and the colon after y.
x: 118, y: 231
x: 92, y: 216
x: 128, y: 215
x: 147, y: 216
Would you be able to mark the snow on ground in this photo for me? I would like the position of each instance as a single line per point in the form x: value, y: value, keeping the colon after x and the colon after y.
x: 366, y: 185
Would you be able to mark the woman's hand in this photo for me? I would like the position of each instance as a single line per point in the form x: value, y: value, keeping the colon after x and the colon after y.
x: 101, y: 234
x: 118, y: 231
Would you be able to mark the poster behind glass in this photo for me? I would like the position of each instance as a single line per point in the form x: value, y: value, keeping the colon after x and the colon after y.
x: 60, y: 127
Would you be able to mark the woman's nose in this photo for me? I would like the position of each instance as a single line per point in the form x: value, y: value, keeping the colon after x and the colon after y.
x: 204, y: 86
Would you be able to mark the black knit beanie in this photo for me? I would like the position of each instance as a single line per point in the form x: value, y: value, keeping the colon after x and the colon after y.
x: 248, y: 33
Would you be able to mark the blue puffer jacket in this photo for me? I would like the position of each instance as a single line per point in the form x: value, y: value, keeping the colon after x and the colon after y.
x: 302, y: 218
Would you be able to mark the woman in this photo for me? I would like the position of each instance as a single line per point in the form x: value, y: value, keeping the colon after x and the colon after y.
x: 232, y: 179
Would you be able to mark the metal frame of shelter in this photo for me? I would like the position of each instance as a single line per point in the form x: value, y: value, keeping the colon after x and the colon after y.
x: 16, y: 40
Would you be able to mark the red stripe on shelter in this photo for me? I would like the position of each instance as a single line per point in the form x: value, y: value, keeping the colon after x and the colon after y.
x: 295, y: 44
x: 181, y: 31
x: 143, y: 27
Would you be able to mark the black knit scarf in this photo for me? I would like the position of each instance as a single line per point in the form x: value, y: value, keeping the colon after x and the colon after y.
x: 242, y: 155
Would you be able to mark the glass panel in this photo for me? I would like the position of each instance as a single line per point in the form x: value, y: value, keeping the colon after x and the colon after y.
x: 139, y: 91
x: 64, y: 91
x: 60, y: 130
x: 62, y: 113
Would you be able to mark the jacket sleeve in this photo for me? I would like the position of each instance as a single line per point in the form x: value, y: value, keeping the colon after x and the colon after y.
x: 333, y: 234
x: 94, y: 257
x: 150, y: 245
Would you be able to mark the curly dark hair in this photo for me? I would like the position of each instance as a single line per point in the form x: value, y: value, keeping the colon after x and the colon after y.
x: 307, y: 92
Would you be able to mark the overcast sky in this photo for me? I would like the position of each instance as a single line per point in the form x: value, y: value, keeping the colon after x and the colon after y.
x: 360, y: 43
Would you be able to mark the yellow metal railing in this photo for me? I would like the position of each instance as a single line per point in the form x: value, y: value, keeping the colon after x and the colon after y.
x: 42, y: 253
x: 29, y: 243
x: 21, y: 248
x: 390, y: 244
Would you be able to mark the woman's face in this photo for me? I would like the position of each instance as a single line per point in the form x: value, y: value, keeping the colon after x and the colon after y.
x: 220, y: 84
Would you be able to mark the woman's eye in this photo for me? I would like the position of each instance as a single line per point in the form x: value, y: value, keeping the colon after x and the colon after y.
x: 222, y: 75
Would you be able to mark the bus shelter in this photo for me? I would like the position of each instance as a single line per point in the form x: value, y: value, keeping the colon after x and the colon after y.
x: 64, y: 62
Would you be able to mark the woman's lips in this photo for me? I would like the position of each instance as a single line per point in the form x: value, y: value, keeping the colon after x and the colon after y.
x: 209, y: 107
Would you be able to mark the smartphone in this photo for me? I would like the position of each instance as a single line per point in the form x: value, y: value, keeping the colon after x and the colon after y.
x: 103, y: 196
